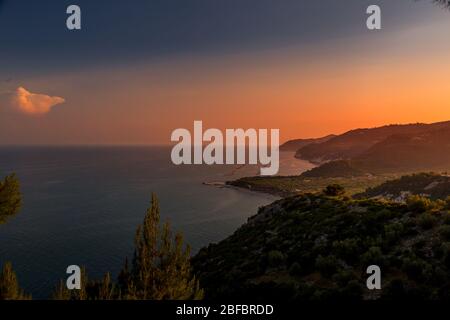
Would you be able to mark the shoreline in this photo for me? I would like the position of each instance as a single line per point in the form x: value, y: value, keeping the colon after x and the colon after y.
x: 228, y: 185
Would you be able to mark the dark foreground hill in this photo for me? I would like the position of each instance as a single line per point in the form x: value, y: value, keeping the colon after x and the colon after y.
x: 315, y: 247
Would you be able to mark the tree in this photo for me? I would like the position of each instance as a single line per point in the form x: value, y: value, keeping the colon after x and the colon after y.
x: 9, y: 286
x: 63, y: 293
x: 160, y: 270
x: 334, y: 190
x: 161, y: 267
x: 10, y: 203
x: 419, y: 204
x: 90, y: 290
x: 10, y: 197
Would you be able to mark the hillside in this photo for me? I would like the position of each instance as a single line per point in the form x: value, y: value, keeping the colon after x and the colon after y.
x: 428, y: 150
x: 356, y: 142
x: 313, y: 247
x: 335, y: 169
x: 431, y: 185
x: 399, y: 153
x: 292, y: 185
x: 294, y: 145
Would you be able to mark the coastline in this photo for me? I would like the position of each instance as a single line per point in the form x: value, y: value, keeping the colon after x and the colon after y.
x: 228, y: 185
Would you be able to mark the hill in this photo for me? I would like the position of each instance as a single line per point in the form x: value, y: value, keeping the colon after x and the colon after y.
x: 335, y: 169
x: 285, y: 186
x: 294, y: 145
x: 432, y: 185
x: 398, y: 153
x: 356, y: 142
x: 429, y: 150
x: 312, y: 247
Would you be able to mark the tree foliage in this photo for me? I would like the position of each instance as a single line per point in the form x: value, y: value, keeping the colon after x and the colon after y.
x: 160, y: 269
x: 334, y: 190
x: 10, y: 197
x: 10, y: 203
x: 161, y: 265
x: 9, y: 286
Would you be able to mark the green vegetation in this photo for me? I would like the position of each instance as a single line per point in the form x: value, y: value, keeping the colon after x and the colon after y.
x: 10, y: 203
x: 9, y: 286
x: 335, y: 169
x: 334, y: 190
x: 432, y: 185
x: 288, y: 186
x: 160, y: 269
x: 10, y: 197
x: 318, y: 247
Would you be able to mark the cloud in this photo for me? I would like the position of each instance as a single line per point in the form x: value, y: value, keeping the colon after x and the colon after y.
x: 30, y: 103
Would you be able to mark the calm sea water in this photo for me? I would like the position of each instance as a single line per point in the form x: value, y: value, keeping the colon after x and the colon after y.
x: 82, y: 206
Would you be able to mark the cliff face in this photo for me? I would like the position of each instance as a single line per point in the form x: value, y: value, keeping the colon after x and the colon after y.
x: 314, y: 247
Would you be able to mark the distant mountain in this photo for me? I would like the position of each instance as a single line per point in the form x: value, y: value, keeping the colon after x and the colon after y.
x: 431, y: 185
x: 390, y: 149
x: 423, y: 151
x: 294, y: 145
x: 356, y: 142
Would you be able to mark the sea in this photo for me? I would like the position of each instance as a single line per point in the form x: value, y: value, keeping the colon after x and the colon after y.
x: 82, y: 205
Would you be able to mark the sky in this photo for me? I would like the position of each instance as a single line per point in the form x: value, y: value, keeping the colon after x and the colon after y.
x: 137, y: 70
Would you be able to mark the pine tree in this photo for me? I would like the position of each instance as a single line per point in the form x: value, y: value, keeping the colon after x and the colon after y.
x: 161, y: 266
x: 10, y: 197
x: 160, y: 269
x: 9, y: 286
x: 61, y: 291
x: 10, y: 203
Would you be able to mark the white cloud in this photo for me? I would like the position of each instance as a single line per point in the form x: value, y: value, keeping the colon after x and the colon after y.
x: 30, y: 103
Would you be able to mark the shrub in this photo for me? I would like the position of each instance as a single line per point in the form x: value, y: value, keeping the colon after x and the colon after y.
x: 393, y: 231
x: 334, y: 190
x: 275, y: 258
x: 343, y: 277
x: 352, y: 291
x: 446, y: 216
x: 414, y: 267
x: 419, y: 204
x: 373, y: 256
x: 445, y: 232
x: 327, y: 266
x: 427, y: 221
x: 347, y: 249
x: 447, y: 203
x: 295, y: 269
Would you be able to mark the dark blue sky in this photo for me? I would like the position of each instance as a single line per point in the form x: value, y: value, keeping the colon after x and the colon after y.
x: 33, y: 33
x: 140, y: 68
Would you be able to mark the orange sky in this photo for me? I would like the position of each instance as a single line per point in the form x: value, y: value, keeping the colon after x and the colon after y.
x: 400, y: 77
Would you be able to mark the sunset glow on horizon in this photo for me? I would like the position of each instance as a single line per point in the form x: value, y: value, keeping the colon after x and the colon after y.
x: 328, y: 87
